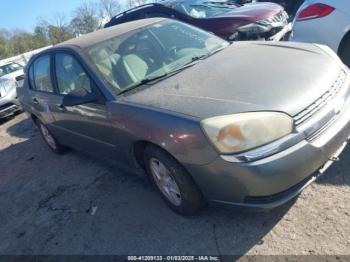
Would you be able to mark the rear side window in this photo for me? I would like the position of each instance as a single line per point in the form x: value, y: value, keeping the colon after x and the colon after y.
x: 40, y: 74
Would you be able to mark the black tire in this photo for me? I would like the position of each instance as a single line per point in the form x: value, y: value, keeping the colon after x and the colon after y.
x: 344, y: 52
x: 192, y: 199
x: 54, y: 145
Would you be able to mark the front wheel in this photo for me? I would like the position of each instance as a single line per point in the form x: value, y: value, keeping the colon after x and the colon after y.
x: 173, y: 182
x: 50, y: 140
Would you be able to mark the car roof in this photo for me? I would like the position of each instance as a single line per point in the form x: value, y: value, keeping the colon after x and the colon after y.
x: 101, y: 35
x: 138, y: 8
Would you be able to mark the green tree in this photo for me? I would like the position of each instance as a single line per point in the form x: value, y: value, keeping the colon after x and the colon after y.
x: 21, y: 42
x: 86, y: 19
x: 59, y: 34
x: 5, y: 50
x: 57, y: 29
x: 108, y: 9
x: 40, y: 36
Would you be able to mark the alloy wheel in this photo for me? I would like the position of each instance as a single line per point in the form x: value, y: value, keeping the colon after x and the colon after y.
x: 165, y: 182
x: 47, y: 136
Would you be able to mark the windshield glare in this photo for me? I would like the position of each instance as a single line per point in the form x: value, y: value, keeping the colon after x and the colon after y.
x: 9, y: 68
x: 125, y: 61
x: 203, y: 9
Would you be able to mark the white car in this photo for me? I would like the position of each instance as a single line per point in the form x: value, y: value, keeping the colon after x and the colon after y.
x: 325, y: 22
x: 11, y: 77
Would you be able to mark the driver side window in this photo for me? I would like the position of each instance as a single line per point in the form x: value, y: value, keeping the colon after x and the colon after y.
x: 71, y: 77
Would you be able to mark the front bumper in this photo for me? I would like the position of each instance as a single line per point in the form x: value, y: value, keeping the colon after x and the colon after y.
x: 9, y: 104
x: 274, y: 180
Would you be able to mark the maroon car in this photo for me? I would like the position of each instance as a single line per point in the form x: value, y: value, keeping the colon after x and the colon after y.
x: 291, y: 6
x: 255, y: 21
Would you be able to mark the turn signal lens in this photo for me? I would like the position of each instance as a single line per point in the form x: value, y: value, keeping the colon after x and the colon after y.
x: 314, y: 11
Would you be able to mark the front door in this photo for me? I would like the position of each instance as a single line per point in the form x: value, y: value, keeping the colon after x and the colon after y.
x: 85, y: 126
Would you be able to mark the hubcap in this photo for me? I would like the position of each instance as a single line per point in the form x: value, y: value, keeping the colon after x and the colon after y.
x: 47, y: 136
x: 165, y: 182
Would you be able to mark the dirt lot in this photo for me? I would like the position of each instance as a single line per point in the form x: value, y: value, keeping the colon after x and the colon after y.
x: 73, y: 204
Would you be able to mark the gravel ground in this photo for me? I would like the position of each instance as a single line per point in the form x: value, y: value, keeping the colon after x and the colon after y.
x: 73, y: 204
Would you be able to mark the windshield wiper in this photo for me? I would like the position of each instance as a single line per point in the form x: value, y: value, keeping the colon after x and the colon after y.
x: 148, y: 80
x: 192, y: 61
x: 143, y: 82
x: 198, y: 58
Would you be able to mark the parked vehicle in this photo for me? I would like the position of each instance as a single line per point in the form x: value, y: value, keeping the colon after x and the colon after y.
x: 209, y: 121
x: 325, y: 22
x: 11, y: 76
x: 291, y: 6
x: 256, y: 21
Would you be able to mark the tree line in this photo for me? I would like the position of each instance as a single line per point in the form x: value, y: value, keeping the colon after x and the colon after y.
x: 86, y: 18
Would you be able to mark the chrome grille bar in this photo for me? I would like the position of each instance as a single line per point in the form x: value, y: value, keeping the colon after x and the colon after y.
x: 322, y: 101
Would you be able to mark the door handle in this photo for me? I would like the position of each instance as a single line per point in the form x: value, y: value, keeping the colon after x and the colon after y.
x: 35, y: 101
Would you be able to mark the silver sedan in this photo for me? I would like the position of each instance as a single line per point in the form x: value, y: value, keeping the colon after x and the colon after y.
x: 249, y: 123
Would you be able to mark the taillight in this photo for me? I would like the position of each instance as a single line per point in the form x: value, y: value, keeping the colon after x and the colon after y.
x: 314, y: 11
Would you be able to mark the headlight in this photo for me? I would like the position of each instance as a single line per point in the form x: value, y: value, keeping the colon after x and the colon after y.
x: 254, y: 29
x: 279, y: 20
x: 241, y: 132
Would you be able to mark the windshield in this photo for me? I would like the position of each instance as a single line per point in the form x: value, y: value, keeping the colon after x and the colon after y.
x: 152, y: 51
x: 9, y: 68
x: 203, y: 8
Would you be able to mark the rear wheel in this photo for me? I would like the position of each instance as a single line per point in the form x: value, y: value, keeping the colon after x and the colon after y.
x: 173, y: 182
x: 50, y: 140
x: 344, y: 52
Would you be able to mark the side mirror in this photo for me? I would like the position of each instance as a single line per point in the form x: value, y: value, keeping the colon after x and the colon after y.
x: 79, y: 97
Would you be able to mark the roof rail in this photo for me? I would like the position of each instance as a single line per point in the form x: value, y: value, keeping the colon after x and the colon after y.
x: 134, y: 8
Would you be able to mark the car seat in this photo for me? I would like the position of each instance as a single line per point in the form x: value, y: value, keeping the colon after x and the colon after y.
x: 130, y: 68
x: 105, y: 63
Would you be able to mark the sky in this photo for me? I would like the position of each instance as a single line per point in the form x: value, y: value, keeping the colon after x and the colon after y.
x: 24, y: 14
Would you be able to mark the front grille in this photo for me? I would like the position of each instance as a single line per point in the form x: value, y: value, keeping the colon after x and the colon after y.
x: 279, y: 20
x: 5, y: 106
x: 311, y: 110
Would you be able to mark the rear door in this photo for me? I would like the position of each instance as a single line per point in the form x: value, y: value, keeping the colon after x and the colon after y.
x: 42, y: 93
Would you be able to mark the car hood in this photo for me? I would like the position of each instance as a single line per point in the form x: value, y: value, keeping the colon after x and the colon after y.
x: 253, y: 12
x: 246, y: 76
